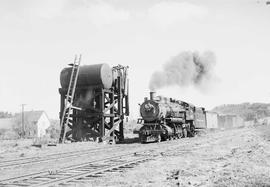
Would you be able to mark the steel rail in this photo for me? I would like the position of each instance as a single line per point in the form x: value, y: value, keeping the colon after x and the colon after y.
x: 62, y: 155
x: 11, y: 180
x: 91, y: 172
x: 39, y: 176
x: 75, y: 172
x: 67, y: 152
x: 47, y: 158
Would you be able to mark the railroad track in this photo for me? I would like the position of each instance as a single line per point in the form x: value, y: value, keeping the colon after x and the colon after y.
x: 87, y: 171
x: 78, y: 173
x: 57, y: 156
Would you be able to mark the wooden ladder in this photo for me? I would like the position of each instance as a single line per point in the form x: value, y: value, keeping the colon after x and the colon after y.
x: 66, y: 118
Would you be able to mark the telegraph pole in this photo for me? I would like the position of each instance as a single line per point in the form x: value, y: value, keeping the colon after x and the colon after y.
x: 23, y: 126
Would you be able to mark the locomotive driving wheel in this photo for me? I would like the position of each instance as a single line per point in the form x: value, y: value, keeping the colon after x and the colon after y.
x: 192, y: 130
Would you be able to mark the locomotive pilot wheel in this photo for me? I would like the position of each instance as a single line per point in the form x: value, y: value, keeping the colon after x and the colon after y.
x: 184, y: 133
x: 159, y: 138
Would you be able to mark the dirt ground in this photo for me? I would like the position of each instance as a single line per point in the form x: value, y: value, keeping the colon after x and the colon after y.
x: 238, y: 157
x: 21, y: 148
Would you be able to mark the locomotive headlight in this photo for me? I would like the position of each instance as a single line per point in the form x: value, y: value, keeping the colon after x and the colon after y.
x: 149, y: 107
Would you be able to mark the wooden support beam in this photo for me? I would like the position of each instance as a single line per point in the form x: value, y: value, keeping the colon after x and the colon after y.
x: 106, y: 125
x: 111, y: 130
x: 108, y: 108
x: 107, y: 98
x: 108, y: 115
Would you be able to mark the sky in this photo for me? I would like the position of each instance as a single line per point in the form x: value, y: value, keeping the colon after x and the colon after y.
x: 38, y: 38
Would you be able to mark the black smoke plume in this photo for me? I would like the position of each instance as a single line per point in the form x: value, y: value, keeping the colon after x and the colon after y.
x: 185, y: 69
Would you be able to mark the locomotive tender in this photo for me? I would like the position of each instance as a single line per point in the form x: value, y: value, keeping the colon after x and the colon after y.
x: 166, y: 118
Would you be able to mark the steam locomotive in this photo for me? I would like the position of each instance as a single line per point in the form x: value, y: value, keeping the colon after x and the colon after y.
x: 166, y: 118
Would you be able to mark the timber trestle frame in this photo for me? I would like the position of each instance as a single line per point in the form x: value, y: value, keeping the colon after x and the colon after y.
x: 103, y: 119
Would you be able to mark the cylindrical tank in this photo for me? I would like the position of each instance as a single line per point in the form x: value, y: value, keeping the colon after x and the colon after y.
x: 89, y: 75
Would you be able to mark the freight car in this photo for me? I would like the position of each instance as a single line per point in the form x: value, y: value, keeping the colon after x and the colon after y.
x: 166, y: 118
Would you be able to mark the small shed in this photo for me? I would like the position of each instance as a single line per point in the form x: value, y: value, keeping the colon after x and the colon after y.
x: 230, y: 121
x: 212, y: 120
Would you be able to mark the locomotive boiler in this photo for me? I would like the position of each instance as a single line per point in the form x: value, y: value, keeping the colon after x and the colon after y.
x: 166, y: 118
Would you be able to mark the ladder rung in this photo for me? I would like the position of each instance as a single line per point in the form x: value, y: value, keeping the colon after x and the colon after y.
x: 76, y: 65
x: 67, y: 119
x: 77, y: 108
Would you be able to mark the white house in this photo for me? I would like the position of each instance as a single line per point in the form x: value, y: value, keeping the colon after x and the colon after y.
x: 35, y: 123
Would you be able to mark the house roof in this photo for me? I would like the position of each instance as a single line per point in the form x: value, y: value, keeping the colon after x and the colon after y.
x: 6, y: 123
x: 31, y: 116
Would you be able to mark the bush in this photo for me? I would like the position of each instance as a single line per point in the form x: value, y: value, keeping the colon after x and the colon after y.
x: 9, y: 135
x: 41, y: 141
x: 54, y: 129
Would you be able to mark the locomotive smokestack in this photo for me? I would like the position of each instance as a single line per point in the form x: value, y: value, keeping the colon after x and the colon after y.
x: 152, y: 95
